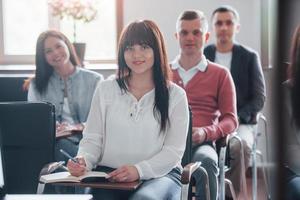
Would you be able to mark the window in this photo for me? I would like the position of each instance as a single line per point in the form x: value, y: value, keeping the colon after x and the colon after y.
x: 22, y: 21
x: 268, y: 32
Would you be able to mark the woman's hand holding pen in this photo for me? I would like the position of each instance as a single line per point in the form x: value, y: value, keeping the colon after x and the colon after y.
x: 126, y: 173
x: 77, y: 168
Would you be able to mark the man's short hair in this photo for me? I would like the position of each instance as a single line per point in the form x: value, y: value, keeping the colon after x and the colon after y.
x: 191, y: 15
x: 227, y: 8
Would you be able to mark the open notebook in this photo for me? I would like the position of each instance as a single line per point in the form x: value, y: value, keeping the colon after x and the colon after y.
x: 91, y: 176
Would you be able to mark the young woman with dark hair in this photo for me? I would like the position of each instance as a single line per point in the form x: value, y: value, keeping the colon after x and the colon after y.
x: 161, y: 71
x: 60, y: 80
x: 138, y: 122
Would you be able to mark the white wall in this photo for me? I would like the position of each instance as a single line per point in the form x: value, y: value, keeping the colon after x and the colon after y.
x: 165, y: 13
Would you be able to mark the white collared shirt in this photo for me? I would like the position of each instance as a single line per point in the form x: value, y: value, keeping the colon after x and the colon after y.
x: 187, y: 75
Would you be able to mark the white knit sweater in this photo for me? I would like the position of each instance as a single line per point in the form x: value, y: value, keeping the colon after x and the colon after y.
x: 121, y: 130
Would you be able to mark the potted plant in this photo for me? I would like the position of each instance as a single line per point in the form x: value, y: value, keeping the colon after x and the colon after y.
x: 76, y: 10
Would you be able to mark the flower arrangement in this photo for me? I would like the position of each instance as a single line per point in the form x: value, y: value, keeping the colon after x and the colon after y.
x: 77, y: 10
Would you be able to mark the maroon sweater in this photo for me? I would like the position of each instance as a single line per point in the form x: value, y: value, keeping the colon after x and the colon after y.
x: 211, y: 95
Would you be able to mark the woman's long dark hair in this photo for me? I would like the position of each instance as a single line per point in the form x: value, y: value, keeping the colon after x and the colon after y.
x: 294, y: 75
x: 147, y: 32
x: 43, y: 69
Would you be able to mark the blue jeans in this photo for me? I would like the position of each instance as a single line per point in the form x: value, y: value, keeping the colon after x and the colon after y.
x: 69, y: 144
x: 292, y: 189
x: 292, y: 184
x: 167, y: 187
x: 207, y: 155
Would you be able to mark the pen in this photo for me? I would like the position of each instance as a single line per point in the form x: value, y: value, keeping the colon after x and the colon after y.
x: 68, y: 155
x: 55, y: 166
x: 61, y: 165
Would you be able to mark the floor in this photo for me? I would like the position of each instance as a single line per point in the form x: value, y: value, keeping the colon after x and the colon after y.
x: 261, y: 188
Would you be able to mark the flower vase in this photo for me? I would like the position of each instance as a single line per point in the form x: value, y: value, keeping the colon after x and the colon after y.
x: 80, y: 51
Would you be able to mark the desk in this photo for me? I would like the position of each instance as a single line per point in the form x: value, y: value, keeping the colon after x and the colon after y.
x: 130, y: 186
x: 106, y: 185
x: 48, y: 197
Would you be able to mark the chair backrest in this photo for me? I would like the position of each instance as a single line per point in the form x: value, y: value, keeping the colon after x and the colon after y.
x: 28, y: 136
x: 2, y: 173
x: 187, y: 156
x: 11, y: 88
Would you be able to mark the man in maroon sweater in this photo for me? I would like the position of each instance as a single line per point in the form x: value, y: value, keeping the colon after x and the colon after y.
x: 211, y: 95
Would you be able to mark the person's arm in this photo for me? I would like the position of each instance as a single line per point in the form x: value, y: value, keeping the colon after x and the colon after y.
x: 174, y: 144
x: 90, y: 147
x: 257, y: 90
x: 32, y: 92
x: 198, y: 135
x: 227, y: 106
